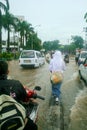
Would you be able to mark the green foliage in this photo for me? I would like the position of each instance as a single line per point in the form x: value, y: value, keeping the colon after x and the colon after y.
x: 51, y: 45
x: 5, y: 55
x: 33, y: 42
x: 9, y: 56
x: 78, y: 41
x: 85, y: 16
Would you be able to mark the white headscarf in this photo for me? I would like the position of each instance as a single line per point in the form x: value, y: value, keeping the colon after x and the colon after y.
x: 57, y: 55
x: 57, y: 63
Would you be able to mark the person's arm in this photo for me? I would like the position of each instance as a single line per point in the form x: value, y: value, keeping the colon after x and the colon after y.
x: 19, y: 90
x: 63, y: 66
x: 50, y: 66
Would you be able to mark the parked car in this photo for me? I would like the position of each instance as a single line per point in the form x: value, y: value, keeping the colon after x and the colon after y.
x: 83, y: 70
x: 82, y: 56
x: 31, y: 58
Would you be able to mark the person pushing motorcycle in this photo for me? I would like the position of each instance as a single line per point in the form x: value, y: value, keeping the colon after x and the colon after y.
x: 15, y: 89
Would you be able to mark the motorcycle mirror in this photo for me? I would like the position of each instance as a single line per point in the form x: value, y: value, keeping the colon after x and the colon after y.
x: 37, y: 88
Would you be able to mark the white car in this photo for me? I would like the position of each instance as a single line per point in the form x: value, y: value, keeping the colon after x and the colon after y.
x: 31, y: 58
x: 82, y: 56
x: 83, y: 70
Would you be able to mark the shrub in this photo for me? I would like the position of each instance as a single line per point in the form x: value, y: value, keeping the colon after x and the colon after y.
x: 6, y: 56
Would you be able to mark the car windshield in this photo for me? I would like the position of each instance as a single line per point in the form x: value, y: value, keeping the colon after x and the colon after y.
x: 29, y: 54
x: 83, y: 55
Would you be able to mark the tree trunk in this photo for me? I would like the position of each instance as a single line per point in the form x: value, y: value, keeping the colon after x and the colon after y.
x: 0, y: 32
x: 8, y: 40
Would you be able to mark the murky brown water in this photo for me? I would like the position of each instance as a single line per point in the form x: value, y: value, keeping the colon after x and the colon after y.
x: 33, y: 77
x: 49, y: 115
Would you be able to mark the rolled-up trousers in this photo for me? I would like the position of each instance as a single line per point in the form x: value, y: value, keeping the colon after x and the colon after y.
x: 56, y: 89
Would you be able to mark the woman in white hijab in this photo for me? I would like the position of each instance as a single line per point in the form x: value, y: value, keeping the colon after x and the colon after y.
x: 57, y: 64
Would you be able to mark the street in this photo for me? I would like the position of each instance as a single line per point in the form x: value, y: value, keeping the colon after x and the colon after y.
x: 51, y: 117
x: 32, y: 33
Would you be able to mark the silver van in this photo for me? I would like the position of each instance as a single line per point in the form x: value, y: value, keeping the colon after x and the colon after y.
x: 31, y: 58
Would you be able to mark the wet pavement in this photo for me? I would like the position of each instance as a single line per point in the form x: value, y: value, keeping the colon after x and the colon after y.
x: 51, y: 116
x: 70, y: 88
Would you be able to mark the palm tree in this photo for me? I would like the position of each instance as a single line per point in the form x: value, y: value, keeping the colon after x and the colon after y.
x: 25, y: 29
x: 28, y: 30
x: 36, y: 42
x: 85, y: 16
x: 5, y: 8
x: 9, y: 23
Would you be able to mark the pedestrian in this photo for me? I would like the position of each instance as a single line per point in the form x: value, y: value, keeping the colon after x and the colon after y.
x: 57, y: 64
x: 77, y: 58
x: 48, y: 57
x: 15, y: 89
x: 66, y: 58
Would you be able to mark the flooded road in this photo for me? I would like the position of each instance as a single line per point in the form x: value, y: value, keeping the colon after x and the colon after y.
x: 31, y: 78
x: 49, y: 115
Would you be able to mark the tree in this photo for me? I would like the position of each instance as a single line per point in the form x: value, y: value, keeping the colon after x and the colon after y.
x: 25, y: 29
x: 85, y: 16
x: 33, y: 42
x: 36, y: 42
x: 78, y: 41
x: 9, y: 23
x: 5, y: 8
x: 51, y: 45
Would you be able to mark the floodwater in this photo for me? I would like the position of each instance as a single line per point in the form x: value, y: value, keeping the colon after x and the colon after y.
x: 31, y: 78
x: 50, y: 116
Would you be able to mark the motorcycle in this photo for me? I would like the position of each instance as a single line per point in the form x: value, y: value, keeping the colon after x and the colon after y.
x: 31, y: 105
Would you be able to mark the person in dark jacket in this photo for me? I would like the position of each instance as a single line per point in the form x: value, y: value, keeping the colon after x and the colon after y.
x: 66, y: 58
x: 15, y: 89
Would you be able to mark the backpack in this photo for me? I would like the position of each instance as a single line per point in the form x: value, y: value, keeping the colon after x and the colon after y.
x: 12, y: 114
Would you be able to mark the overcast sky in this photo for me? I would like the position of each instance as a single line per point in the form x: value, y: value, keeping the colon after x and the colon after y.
x: 54, y: 19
